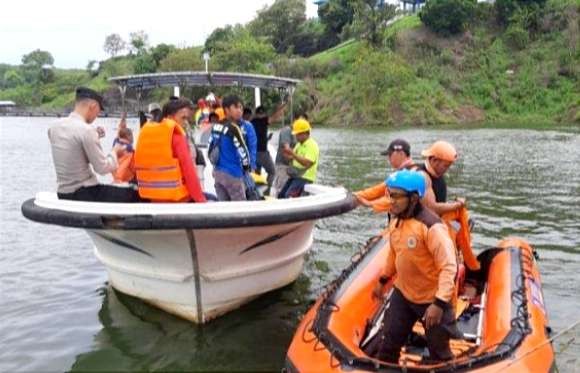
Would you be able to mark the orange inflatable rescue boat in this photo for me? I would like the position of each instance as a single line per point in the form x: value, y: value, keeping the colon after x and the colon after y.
x: 500, y: 312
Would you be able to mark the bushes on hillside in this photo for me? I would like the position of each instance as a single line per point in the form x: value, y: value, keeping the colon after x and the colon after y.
x: 447, y: 17
x: 505, y: 9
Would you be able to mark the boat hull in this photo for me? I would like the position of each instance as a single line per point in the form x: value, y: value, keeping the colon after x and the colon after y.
x: 197, y: 260
x: 199, y: 274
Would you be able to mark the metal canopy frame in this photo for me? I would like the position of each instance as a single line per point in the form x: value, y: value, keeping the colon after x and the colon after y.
x: 201, y: 79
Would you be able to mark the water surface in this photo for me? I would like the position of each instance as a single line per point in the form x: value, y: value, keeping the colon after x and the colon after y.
x: 57, y: 312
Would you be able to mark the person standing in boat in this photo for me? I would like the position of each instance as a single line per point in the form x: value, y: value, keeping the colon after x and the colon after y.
x: 261, y: 122
x: 251, y: 138
x: 423, y: 257
x: 163, y: 162
x: 399, y: 156
x: 439, y: 157
x: 304, y: 157
x: 229, y: 153
x: 75, y: 148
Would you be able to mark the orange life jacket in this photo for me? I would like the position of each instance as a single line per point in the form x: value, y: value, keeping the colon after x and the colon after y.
x: 159, y: 175
x: 126, y: 170
x: 461, y: 237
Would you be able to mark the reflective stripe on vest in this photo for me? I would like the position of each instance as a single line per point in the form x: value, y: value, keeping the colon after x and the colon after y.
x: 158, y: 172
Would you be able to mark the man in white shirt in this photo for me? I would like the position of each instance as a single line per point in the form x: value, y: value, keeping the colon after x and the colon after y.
x: 75, y: 148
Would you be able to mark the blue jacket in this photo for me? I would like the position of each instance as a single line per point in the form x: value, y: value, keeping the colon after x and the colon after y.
x: 233, y: 155
x: 251, y: 141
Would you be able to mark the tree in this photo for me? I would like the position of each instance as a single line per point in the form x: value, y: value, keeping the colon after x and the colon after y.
x: 160, y: 51
x: 144, y: 63
x: 244, y: 53
x: 447, y: 17
x: 114, y: 44
x: 336, y: 14
x: 37, y: 66
x: 37, y: 59
x: 311, y: 38
x: 221, y: 35
x: 139, y: 41
x: 370, y: 18
x: 13, y: 79
x: 279, y: 23
x: 182, y: 60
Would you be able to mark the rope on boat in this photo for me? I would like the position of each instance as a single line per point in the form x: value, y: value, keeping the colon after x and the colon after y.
x: 549, y: 340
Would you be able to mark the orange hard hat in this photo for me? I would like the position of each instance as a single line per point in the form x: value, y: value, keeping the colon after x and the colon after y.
x: 442, y: 150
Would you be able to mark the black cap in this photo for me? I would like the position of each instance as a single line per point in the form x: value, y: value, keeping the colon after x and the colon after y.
x: 397, y: 144
x: 84, y: 92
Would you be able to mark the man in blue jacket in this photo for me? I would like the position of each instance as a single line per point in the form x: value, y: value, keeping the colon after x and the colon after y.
x: 229, y: 153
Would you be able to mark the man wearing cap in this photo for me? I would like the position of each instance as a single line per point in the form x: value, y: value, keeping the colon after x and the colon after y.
x: 75, y: 147
x: 439, y: 157
x: 304, y: 159
x: 399, y: 155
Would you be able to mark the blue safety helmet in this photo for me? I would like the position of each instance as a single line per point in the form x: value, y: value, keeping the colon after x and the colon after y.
x: 410, y: 181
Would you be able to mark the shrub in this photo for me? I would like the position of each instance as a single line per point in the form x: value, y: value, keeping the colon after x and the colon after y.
x: 516, y: 37
x: 505, y: 9
x: 447, y: 16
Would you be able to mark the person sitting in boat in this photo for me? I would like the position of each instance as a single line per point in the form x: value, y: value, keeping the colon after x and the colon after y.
x: 229, y: 153
x: 304, y: 157
x: 399, y: 156
x: 285, y: 139
x: 125, y: 173
x: 75, y: 148
x: 423, y: 258
x: 439, y: 157
x: 261, y: 122
x: 163, y: 162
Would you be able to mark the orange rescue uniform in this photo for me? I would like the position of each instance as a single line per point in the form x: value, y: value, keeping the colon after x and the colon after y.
x: 158, y: 172
x: 422, y: 256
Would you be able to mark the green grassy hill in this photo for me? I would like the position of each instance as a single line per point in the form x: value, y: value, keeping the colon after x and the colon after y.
x: 420, y: 78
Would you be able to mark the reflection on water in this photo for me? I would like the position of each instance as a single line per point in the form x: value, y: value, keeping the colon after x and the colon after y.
x: 58, y: 312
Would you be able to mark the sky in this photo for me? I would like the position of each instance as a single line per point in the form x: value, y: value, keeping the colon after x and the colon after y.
x: 74, y: 31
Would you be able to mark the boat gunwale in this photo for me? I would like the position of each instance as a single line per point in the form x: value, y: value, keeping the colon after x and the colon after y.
x: 279, y: 213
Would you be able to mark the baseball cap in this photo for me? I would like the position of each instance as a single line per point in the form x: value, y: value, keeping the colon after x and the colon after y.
x: 397, y: 144
x: 153, y: 106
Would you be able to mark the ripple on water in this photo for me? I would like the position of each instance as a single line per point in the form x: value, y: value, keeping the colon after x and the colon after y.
x: 58, y: 314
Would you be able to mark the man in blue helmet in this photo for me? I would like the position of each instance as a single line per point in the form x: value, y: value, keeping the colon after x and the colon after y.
x: 423, y: 257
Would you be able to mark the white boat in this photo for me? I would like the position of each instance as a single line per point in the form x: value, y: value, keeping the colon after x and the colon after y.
x: 201, y: 260
x: 197, y: 261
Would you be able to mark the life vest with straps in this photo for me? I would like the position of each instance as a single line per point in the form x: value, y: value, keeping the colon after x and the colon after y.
x: 126, y: 170
x: 158, y: 172
x: 458, y: 223
x: 437, y: 184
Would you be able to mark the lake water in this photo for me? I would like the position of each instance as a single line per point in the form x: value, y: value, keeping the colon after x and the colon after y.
x: 57, y: 312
